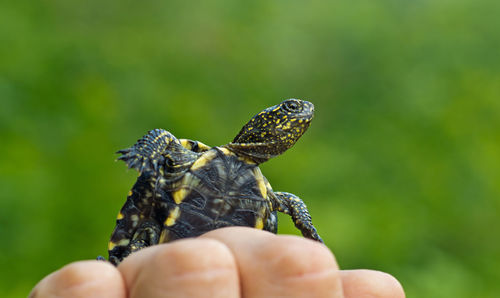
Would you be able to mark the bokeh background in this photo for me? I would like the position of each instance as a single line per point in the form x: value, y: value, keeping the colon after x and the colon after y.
x: 400, y: 168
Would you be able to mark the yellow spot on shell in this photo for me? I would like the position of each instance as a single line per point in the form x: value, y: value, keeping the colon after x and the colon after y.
x: 123, y: 242
x: 246, y: 160
x: 111, y: 245
x: 179, y: 195
x: 203, y: 160
x: 164, y: 236
x: 260, y: 182
x: 185, y: 143
x: 203, y: 147
x: 226, y: 151
x: 129, y: 193
x: 268, y: 185
x: 172, y: 216
x: 259, y: 223
x: 120, y: 216
x: 186, y: 184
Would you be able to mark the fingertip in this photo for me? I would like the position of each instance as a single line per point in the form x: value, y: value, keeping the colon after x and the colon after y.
x: 370, y: 283
x: 82, y: 279
x: 189, y: 256
x: 173, y: 268
x: 301, y: 267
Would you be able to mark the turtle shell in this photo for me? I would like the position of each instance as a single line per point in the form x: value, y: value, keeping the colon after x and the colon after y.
x: 219, y: 189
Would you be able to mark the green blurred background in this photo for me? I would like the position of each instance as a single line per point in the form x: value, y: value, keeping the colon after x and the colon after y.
x: 400, y: 168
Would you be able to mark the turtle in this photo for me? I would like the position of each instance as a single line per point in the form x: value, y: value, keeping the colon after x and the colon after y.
x: 186, y: 188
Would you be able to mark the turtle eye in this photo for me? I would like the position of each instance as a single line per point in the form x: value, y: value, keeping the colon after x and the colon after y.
x: 292, y: 106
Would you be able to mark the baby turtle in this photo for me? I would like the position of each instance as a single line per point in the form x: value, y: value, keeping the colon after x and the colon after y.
x: 186, y: 188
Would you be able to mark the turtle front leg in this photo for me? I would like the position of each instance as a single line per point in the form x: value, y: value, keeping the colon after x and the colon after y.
x: 292, y: 205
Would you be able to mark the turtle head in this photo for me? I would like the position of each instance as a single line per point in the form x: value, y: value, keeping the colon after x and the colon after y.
x: 274, y: 130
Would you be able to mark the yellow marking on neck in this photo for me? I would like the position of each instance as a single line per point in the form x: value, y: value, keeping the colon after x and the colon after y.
x: 129, y: 193
x: 259, y: 223
x: 172, y: 216
x: 203, y: 160
x: 120, y: 216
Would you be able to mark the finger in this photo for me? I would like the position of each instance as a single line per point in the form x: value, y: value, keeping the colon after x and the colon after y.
x: 370, y: 283
x: 183, y: 268
x: 82, y: 279
x: 284, y: 266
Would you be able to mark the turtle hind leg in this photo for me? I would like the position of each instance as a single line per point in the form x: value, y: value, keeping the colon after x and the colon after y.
x: 120, y: 247
x: 271, y: 224
x: 148, y: 152
x: 292, y: 205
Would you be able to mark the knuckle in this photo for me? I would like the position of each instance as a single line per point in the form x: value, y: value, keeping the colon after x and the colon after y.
x: 194, y: 255
x: 295, y: 257
x: 177, y: 266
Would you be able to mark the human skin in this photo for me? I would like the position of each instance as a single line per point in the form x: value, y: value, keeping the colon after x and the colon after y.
x: 229, y: 262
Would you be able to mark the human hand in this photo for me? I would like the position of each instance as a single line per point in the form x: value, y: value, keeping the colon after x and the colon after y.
x: 229, y: 262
